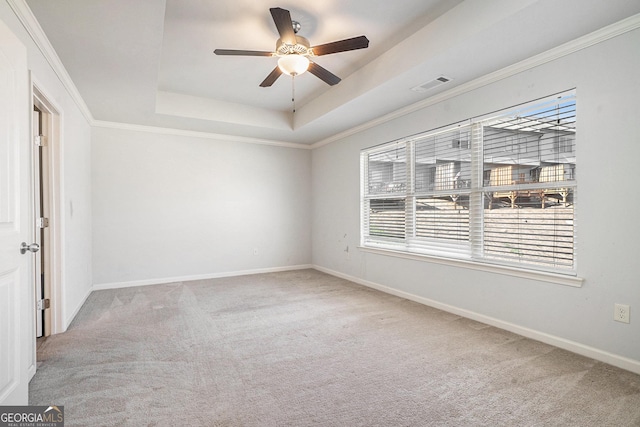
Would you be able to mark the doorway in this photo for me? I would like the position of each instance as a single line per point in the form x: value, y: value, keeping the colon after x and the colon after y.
x: 41, y: 214
x: 46, y: 205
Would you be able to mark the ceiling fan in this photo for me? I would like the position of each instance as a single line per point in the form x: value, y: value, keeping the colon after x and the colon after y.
x: 295, y: 52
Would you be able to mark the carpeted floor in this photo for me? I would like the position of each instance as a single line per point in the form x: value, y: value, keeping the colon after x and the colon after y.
x: 304, y: 348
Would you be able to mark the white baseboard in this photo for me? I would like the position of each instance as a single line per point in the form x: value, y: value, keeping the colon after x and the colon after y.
x: 31, y: 371
x: 572, y: 346
x: 72, y: 316
x: 160, y: 281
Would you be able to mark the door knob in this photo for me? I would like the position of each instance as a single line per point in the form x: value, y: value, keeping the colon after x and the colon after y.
x: 34, y: 247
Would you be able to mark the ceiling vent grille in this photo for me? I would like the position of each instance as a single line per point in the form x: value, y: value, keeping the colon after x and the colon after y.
x: 424, y: 87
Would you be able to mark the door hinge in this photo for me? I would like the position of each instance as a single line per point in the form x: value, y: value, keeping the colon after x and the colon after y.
x: 42, y: 222
x: 43, y: 304
x: 40, y: 140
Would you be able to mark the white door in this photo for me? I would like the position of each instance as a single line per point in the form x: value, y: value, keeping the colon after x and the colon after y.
x: 16, y: 281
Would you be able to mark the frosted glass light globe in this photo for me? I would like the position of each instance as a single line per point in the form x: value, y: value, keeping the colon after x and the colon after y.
x: 293, y: 65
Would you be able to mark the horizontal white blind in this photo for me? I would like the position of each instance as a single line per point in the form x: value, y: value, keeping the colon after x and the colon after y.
x: 442, y: 171
x: 529, y: 168
x: 530, y: 235
x: 443, y: 161
x: 386, y: 180
x: 387, y: 170
x: 499, y: 189
x: 387, y: 218
x: 439, y: 218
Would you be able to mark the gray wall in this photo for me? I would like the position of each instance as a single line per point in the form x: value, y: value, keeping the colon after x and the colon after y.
x: 168, y: 206
x: 606, y: 79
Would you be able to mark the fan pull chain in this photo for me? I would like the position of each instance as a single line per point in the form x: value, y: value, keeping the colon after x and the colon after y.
x: 293, y: 92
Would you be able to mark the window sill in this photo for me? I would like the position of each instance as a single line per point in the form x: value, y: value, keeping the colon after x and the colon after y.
x: 560, y: 279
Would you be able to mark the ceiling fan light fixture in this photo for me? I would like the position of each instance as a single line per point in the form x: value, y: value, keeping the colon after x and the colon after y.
x: 294, y: 51
x: 293, y: 65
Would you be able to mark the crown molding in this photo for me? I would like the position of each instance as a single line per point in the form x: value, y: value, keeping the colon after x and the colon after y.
x: 621, y: 27
x: 37, y: 34
x: 197, y: 134
x: 35, y: 31
x: 28, y: 20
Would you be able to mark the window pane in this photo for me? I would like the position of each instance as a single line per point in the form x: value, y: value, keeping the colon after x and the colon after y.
x: 443, y: 161
x: 530, y: 233
x: 531, y: 146
x: 387, y: 170
x: 443, y: 218
x: 387, y: 218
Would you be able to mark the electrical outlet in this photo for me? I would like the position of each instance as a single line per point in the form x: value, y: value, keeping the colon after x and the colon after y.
x: 621, y: 313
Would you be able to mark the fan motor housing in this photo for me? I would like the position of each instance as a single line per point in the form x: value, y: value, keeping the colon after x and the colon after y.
x: 300, y: 48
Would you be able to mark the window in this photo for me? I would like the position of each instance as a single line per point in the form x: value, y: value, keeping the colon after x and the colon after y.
x: 498, y: 189
x: 386, y: 186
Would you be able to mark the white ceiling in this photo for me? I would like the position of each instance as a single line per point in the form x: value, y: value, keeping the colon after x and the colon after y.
x: 151, y: 62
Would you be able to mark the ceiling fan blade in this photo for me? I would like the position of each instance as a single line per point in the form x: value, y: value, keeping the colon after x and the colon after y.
x: 271, y: 78
x: 354, y: 43
x: 323, y: 74
x: 282, y: 19
x: 242, y: 52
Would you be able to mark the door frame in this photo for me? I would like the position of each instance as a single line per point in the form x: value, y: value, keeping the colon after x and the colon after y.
x: 51, y: 120
x: 40, y: 235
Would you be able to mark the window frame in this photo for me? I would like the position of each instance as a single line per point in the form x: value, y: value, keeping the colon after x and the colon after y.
x: 470, y: 253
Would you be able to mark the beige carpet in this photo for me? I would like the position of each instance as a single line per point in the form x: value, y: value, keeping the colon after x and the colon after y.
x: 304, y: 348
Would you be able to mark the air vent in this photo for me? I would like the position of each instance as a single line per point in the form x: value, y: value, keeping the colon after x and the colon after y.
x: 424, y: 87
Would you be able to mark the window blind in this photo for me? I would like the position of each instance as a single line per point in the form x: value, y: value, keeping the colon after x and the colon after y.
x: 499, y: 189
x: 386, y: 181
x: 529, y: 168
